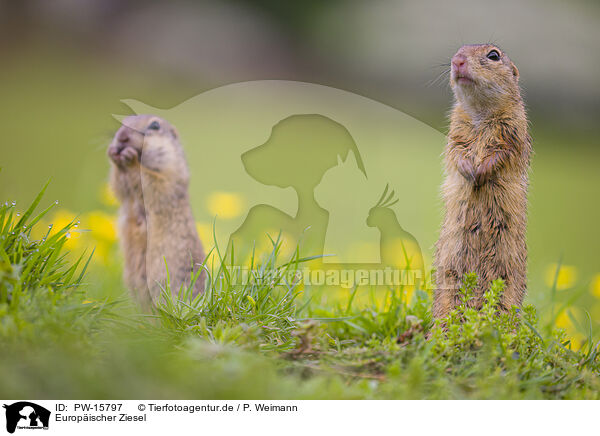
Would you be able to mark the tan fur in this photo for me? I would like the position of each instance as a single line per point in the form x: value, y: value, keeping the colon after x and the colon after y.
x: 485, y: 189
x: 149, y: 176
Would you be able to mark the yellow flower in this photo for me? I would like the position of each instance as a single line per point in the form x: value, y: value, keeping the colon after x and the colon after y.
x: 102, y: 225
x: 102, y: 234
x: 60, y: 220
x: 225, y: 205
x: 287, y: 241
x: 107, y: 196
x: 563, y: 321
x: 567, y: 276
x: 595, y: 287
x: 205, y: 232
x: 577, y: 339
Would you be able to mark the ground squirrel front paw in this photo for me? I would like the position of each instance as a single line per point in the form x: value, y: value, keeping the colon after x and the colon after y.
x: 123, y: 156
x: 465, y: 168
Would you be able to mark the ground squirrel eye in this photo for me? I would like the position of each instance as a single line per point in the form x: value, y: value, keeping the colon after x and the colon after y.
x: 493, y: 55
x: 154, y: 126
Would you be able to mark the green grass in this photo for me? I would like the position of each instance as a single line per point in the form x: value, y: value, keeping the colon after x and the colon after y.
x: 264, y: 338
x: 564, y: 176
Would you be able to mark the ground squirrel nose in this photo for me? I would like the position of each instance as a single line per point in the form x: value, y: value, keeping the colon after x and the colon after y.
x: 459, y: 60
x: 459, y: 64
x: 123, y: 135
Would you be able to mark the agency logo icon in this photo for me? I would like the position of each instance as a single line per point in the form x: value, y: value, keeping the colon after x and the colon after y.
x: 327, y: 175
x: 26, y: 415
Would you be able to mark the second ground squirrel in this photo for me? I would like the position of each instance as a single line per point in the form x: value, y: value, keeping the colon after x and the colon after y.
x: 150, y: 177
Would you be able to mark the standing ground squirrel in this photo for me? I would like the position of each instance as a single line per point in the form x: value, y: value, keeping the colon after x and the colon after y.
x: 150, y: 177
x: 485, y: 190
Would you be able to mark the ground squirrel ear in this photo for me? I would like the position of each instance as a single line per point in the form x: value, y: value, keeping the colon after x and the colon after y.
x: 174, y: 133
x: 515, y: 71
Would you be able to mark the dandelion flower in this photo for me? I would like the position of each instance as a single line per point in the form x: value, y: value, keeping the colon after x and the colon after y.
x: 595, y: 287
x: 564, y: 321
x: 102, y: 225
x: 567, y: 276
x: 205, y: 233
x: 225, y: 205
x: 107, y: 196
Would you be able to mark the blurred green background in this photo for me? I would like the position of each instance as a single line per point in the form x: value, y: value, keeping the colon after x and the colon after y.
x: 67, y: 65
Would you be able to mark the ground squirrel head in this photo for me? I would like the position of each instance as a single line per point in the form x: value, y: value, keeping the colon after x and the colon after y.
x: 149, y: 142
x: 483, y: 76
